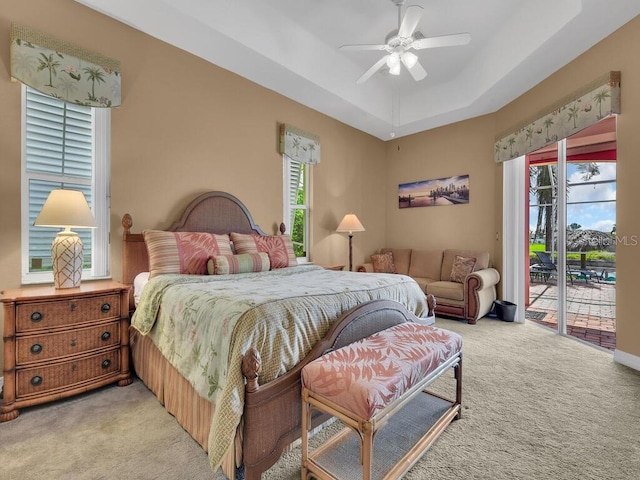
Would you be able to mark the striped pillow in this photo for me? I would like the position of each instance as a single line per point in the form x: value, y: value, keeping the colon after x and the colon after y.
x: 243, y: 263
x: 279, y: 248
x: 183, y: 252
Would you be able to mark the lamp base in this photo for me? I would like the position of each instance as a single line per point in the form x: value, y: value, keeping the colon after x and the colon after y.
x: 66, y: 254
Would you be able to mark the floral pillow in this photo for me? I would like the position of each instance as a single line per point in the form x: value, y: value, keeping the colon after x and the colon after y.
x: 462, y: 266
x: 383, y: 263
x: 183, y: 252
x: 279, y: 248
x: 243, y: 263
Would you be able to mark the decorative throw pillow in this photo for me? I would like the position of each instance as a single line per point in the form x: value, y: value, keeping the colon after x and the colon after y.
x: 243, y: 263
x: 462, y: 266
x: 383, y: 263
x: 183, y: 252
x: 279, y: 248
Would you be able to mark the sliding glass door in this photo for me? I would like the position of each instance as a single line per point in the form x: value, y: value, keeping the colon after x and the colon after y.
x: 571, y: 213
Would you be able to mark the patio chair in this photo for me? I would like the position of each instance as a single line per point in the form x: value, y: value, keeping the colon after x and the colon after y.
x: 546, y: 268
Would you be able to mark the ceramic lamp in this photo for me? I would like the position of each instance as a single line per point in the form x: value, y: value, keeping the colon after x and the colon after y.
x: 66, y: 209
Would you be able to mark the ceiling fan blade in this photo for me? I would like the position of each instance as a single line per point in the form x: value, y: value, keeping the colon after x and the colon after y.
x: 443, y: 41
x: 417, y: 72
x: 410, y: 21
x: 376, y: 66
x: 364, y: 47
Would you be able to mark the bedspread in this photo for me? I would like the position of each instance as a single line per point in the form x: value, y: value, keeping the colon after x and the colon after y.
x: 204, y: 325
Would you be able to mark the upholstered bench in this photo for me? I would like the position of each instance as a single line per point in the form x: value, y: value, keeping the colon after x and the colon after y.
x: 365, y: 384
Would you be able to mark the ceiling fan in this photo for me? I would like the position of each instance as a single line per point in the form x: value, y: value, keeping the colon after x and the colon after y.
x: 399, y: 43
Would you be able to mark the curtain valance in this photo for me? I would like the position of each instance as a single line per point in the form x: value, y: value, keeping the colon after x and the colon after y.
x: 577, y: 111
x: 298, y: 145
x: 63, y: 70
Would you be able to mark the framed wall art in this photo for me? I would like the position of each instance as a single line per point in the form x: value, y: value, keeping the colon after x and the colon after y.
x: 437, y: 192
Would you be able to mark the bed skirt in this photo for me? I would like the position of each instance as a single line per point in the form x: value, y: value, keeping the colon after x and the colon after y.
x: 192, y: 412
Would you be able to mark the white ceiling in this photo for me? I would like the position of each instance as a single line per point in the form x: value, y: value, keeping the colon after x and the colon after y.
x: 292, y: 47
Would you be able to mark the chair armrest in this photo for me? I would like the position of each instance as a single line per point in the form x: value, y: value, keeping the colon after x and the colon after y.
x: 487, y: 277
x: 365, y: 267
x: 480, y: 293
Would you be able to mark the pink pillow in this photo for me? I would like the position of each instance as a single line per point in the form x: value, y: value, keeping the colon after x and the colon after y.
x: 183, y: 252
x: 279, y: 248
x: 383, y: 263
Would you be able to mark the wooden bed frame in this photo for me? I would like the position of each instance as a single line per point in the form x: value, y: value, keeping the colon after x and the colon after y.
x: 272, y: 412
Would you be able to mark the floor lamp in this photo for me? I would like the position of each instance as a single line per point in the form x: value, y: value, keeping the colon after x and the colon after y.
x: 66, y: 209
x: 350, y: 223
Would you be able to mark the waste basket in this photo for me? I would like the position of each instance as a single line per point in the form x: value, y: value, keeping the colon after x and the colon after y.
x: 505, y: 311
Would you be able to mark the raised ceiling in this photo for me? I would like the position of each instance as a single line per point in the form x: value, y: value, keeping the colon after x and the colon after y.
x: 292, y: 47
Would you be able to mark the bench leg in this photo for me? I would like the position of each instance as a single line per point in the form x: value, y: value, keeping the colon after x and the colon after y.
x: 306, y: 421
x: 457, y: 372
x: 367, y: 451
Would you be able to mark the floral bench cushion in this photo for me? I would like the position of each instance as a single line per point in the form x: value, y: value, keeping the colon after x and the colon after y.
x: 368, y: 375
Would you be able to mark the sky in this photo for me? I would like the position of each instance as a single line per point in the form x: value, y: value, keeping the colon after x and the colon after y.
x: 593, y: 216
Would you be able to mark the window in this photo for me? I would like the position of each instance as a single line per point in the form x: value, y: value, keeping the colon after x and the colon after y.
x: 296, y: 205
x: 63, y: 146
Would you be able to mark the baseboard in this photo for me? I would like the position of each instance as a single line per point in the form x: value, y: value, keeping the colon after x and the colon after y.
x: 631, y: 361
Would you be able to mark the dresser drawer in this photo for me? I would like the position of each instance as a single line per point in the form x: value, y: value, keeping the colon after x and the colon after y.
x: 35, y: 380
x: 38, y: 348
x: 64, y: 312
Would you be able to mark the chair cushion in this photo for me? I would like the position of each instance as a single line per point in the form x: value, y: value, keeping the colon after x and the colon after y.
x: 426, y: 263
x: 450, y: 290
x: 366, y: 376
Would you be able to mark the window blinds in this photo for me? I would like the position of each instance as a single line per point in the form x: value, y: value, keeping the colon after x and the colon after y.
x: 59, y: 154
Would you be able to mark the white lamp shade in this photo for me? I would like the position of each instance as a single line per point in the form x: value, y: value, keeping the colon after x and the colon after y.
x: 350, y: 223
x: 67, y: 209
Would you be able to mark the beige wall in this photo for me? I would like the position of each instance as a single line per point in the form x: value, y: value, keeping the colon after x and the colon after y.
x: 196, y: 127
x: 464, y: 148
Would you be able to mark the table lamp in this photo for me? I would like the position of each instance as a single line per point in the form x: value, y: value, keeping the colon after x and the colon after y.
x: 66, y: 209
x: 350, y: 223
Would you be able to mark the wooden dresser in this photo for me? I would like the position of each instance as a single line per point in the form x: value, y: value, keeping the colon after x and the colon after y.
x: 62, y: 342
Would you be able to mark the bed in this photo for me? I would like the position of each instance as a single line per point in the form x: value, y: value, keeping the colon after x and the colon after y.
x: 232, y: 378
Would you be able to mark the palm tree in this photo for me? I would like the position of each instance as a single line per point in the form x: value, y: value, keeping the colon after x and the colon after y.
x: 599, y: 98
x: 50, y: 64
x: 94, y: 74
x: 547, y: 123
x: 543, y: 183
x: 573, y: 114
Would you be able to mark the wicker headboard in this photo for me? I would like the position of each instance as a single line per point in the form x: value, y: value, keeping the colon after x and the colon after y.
x: 212, y: 212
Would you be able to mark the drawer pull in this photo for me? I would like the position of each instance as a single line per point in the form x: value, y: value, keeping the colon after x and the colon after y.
x: 36, y: 317
x: 36, y: 348
x: 36, y: 380
x: 105, y: 307
x: 106, y: 363
x: 73, y: 342
x: 106, y: 336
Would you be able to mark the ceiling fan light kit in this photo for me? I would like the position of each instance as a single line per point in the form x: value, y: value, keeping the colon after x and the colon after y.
x: 399, y: 42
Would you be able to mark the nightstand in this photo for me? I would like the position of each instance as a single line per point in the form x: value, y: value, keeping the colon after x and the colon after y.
x: 62, y: 342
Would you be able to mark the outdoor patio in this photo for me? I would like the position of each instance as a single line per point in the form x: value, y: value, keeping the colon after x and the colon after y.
x: 591, y: 314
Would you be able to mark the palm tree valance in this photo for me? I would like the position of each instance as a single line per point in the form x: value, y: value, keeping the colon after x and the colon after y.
x: 63, y: 70
x: 298, y: 145
x: 577, y: 111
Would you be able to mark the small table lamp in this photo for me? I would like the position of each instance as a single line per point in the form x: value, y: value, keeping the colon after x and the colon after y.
x: 66, y: 209
x: 350, y: 223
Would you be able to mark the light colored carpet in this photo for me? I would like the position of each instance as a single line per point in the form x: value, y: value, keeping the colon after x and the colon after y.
x: 535, y: 406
